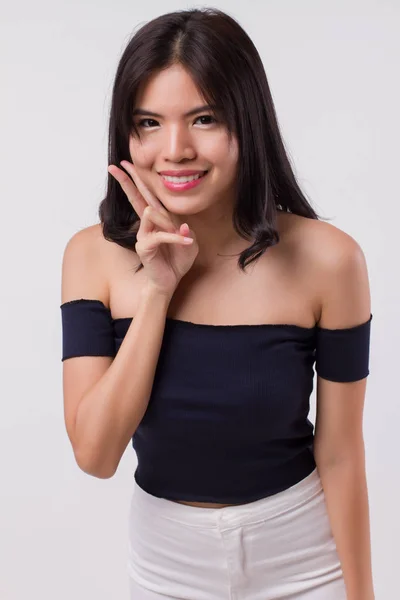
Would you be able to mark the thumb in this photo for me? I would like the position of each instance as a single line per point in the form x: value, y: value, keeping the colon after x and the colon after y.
x: 184, y: 229
x: 187, y: 232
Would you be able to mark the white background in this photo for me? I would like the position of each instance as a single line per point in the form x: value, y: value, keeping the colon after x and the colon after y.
x: 333, y: 72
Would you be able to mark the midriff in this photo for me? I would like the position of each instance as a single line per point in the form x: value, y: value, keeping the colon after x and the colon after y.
x: 204, y: 504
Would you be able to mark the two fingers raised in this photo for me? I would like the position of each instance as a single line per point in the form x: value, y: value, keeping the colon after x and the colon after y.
x: 137, y: 193
x: 142, y: 198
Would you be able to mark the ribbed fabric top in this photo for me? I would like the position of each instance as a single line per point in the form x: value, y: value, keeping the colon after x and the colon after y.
x: 227, y: 420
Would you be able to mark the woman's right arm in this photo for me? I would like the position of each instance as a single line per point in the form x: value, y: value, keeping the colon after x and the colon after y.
x: 101, y: 420
x: 105, y: 399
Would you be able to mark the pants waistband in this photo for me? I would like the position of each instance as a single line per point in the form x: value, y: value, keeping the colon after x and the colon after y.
x: 242, y: 514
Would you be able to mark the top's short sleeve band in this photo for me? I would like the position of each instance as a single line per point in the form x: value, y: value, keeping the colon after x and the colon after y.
x: 87, y: 329
x: 343, y: 354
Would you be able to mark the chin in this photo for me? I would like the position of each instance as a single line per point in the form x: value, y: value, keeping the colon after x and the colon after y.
x: 182, y: 207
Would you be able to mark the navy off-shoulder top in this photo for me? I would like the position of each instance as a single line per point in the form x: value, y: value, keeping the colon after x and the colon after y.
x: 227, y: 420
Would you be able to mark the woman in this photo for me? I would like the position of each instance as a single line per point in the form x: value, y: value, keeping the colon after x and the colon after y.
x: 192, y: 317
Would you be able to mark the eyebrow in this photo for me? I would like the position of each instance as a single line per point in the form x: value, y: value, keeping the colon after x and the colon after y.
x: 142, y: 111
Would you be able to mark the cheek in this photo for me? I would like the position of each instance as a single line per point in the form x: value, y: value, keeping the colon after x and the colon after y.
x: 233, y: 149
x: 141, y: 154
x: 221, y: 150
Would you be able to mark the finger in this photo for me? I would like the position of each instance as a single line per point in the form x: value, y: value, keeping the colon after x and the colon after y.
x: 147, y: 195
x: 184, y: 229
x: 134, y: 196
x: 160, y: 237
x: 153, y: 218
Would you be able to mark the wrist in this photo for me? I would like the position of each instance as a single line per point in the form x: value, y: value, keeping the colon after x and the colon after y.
x: 150, y: 294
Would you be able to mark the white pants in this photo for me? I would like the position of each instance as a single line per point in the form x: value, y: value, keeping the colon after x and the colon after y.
x: 277, y: 547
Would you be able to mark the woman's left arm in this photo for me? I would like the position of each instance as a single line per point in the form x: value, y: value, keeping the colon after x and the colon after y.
x: 338, y: 443
x: 346, y: 496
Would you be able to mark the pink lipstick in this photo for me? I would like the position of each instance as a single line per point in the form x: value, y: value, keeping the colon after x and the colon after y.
x: 182, y: 186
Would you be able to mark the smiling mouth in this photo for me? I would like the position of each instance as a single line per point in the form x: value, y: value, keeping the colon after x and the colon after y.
x: 184, y: 178
x: 182, y: 184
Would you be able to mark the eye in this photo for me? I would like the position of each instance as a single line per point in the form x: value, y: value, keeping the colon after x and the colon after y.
x: 207, y: 117
x: 142, y: 122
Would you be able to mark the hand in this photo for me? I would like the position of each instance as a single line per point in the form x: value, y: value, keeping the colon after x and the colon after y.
x: 160, y: 245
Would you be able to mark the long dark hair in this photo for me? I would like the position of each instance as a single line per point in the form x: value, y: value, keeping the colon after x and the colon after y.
x: 227, y: 69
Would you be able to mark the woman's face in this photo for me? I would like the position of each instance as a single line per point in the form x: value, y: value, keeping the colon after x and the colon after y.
x: 175, y: 142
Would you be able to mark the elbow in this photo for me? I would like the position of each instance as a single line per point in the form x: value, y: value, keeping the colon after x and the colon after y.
x: 100, y: 473
x: 354, y: 459
x: 95, y: 468
x: 341, y: 453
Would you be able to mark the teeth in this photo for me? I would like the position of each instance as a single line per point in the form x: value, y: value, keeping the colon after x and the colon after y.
x: 182, y: 179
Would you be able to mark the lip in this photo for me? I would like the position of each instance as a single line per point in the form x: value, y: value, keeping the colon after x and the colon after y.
x: 186, y: 173
x: 181, y: 187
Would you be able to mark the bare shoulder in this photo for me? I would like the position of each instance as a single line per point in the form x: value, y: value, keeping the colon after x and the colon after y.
x: 94, y: 266
x: 333, y: 264
x: 324, y: 245
x: 336, y: 256
x: 88, y: 239
x: 84, y: 272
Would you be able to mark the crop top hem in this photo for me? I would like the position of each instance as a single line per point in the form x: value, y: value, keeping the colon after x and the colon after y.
x: 283, y: 477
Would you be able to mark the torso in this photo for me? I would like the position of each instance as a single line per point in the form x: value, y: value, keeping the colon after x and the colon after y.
x: 281, y: 287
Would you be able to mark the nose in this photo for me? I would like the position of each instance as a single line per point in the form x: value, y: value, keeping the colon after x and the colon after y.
x: 178, y: 144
